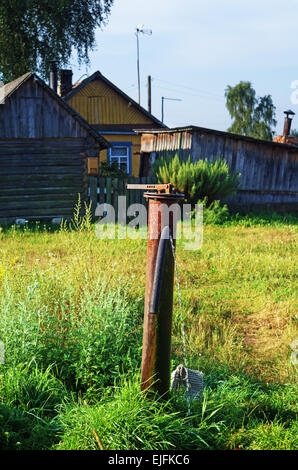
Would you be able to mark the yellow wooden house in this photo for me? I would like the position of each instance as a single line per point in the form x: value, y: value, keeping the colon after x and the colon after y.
x: 115, y: 116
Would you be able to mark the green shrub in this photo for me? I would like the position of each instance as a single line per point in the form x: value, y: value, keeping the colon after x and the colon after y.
x: 111, y: 170
x: 203, y: 178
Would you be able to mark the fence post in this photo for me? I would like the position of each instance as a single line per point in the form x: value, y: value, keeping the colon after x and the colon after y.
x: 106, y: 190
x: 101, y: 183
x: 115, y: 197
x: 93, y: 194
x: 109, y: 190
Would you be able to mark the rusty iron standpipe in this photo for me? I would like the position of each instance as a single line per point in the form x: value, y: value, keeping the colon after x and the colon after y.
x: 158, y: 309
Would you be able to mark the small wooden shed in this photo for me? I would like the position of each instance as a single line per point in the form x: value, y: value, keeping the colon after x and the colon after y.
x: 44, y: 151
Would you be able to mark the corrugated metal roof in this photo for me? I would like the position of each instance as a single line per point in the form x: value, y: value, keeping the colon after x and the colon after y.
x: 203, y: 130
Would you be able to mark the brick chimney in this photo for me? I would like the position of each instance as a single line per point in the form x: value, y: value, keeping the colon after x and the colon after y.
x: 288, y: 122
x: 286, y: 138
x: 65, y: 82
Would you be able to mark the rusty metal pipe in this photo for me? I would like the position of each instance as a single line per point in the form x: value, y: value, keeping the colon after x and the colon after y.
x: 158, y: 308
x: 156, y: 355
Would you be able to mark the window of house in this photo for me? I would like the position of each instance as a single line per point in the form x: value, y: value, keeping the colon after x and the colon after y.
x: 120, y: 154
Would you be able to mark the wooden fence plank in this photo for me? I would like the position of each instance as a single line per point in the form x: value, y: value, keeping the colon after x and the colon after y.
x: 110, y: 188
x: 126, y: 193
x: 115, y: 196
x: 101, y: 184
x: 93, y: 193
x: 144, y: 180
x: 131, y: 193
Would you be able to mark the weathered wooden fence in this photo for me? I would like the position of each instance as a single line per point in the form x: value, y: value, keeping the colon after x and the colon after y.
x: 103, y: 190
x: 269, y: 170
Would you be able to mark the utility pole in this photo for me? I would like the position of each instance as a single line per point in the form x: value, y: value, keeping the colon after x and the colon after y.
x: 138, y: 66
x: 149, y: 93
x: 163, y: 98
x: 140, y: 30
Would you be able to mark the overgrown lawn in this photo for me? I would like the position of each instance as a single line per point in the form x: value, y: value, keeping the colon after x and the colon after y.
x: 71, y: 313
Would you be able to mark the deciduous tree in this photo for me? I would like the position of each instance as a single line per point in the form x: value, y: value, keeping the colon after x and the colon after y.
x: 252, y: 116
x: 34, y: 32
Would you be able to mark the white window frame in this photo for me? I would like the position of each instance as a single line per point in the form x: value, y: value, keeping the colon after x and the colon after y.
x: 128, y: 155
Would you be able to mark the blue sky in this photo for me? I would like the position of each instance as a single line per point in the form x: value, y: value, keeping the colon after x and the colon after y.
x: 198, y: 48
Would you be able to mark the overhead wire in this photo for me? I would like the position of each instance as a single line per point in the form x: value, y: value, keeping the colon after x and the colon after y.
x: 186, y: 90
x: 196, y: 90
x: 199, y: 92
x: 186, y: 93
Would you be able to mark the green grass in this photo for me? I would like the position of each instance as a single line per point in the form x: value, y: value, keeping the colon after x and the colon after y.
x: 71, y: 313
x: 235, y: 412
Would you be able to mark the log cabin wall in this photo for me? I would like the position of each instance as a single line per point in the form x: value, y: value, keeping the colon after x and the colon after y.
x: 43, y: 155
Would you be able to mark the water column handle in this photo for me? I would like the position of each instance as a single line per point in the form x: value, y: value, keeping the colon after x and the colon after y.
x: 159, y: 269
